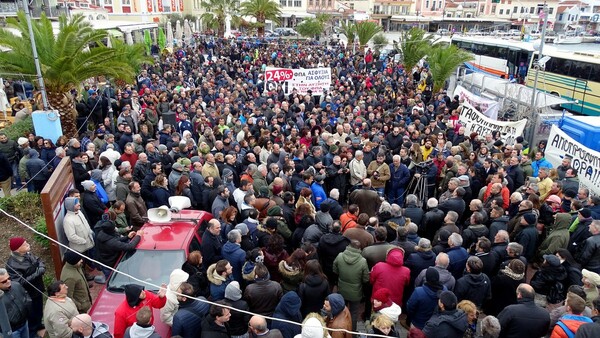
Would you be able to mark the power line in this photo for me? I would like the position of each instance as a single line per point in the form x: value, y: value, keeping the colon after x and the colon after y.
x: 175, y: 292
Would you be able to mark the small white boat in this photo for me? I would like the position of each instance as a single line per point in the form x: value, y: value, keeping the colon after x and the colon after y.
x: 568, y: 39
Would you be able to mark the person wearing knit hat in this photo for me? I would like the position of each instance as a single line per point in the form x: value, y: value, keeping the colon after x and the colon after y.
x: 22, y: 141
x: 238, y: 324
x: 73, y: 275
x: 591, y: 281
x: 382, y: 304
x: 16, y: 242
x: 337, y: 315
x: 528, y: 235
x: 424, y: 299
x: 23, y: 266
x: 448, y: 321
x: 88, y: 185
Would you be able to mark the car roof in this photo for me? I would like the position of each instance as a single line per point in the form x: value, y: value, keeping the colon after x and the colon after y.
x: 175, y: 234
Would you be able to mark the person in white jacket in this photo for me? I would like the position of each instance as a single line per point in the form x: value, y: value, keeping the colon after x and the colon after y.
x: 76, y: 227
x: 167, y: 312
x: 358, y: 170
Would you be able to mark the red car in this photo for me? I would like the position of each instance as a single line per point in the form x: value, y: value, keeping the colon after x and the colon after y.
x: 163, y: 248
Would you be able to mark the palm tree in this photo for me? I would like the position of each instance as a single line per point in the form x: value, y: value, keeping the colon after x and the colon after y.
x: 325, y: 20
x: 379, y: 41
x: 310, y: 27
x: 262, y: 10
x: 415, y: 44
x: 75, y: 54
x: 365, y: 31
x: 216, y: 12
x: 349, y: 30
x: 443, y: 60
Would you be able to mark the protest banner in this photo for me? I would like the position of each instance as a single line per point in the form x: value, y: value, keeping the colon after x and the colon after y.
x: 488, y: 107
x: 474, y: 121
x: 585, y: 160
x: 314, y: 79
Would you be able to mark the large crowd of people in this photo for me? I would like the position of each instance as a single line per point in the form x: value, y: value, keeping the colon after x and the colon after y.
x: 368, y: 204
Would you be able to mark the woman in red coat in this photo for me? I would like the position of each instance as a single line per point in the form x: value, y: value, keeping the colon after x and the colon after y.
x: 391, y: 274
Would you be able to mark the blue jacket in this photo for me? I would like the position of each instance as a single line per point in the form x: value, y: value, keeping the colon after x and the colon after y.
x: 421, y: 305
x: 458, y: 258
x: 536, y: 165
x: 399, y: 176
x: 288, y: 308
x: 187, y: 321
x: 318, y: 194
x: 160, y: 197
x: 236, y: 256
x: 102, y: 195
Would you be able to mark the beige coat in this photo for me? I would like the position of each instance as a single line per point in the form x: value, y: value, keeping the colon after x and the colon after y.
x: 384, y: 174
x: 78, y: 231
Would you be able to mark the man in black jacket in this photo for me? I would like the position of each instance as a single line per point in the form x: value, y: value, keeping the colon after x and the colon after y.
x: 211, y: 243
x: 93, y: 207
x: 590, y: 254
x: 432, y: 220
x: 28, y: 270
x: 6, y: 174
x: 330, y: 246
x: 448, y: 321
x: 17, y: 303
x: 524, y: 319
x: 474, y: 285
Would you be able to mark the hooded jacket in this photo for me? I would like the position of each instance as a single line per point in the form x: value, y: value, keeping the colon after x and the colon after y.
x: 559, y: 237
x: 543, y: 279
x: 291, y: 277
x: 352, y: 270
x: 218, y: 283
x: 136, y: 331
x: 127, y: 310
x: 474, y: 287
x: 94, y: 208
x: 391, y: 274
x: 312, y: 293
x: 472, y: 233
x: 289, y: 309
x: 110, y: 245
x: 446, y: 324
x: 79, y: 290
x: 76, y: 227
x: 167, y: 312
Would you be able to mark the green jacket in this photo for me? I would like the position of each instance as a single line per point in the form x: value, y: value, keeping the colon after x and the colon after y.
x: 353, y: 271
x: 79, y: 290
x: 527, y: 169
x: 559, y: 237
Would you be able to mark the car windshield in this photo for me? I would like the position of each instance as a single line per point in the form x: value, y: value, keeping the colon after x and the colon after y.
x: 152, y: 266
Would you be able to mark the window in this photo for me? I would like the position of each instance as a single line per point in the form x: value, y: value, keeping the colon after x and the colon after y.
x: 560, y: 17
x: 194, y: 245
x: 494, y: 9
x: 507, y: 11
x: 515, y: 9
x: 550, y: 10
x: 482, y: 9
x: 501, y: 12
x: 297, y: 3
x: 532, y: 10
x: 329, y: 3
x: 162, y: 261
x: 282, y: 3
x: 126, y: 2
x: 427, y: 4
x: 107, y: 2
x: 439, y: 4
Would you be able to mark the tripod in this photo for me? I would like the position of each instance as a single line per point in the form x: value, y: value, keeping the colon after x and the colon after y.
x: 418, y: 187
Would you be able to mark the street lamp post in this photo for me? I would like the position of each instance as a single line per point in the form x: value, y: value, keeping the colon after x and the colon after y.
x: 537, y: 71
x: 36, y: 59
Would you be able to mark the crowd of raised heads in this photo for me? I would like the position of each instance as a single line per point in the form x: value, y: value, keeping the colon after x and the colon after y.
x: 367, y: 207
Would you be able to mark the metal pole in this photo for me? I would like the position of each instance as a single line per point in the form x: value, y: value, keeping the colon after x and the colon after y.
x: 535, y: 80
x: 4, y: 323
x: 36, y: 60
